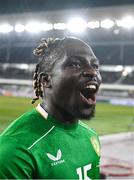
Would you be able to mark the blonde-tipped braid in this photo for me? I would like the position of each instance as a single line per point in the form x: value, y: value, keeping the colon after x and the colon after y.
x: 39, y: 51
x: 35, y: 84
x: 43, y: 51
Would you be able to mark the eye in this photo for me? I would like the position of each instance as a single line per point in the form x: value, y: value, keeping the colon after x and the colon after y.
x: 95, y: 66
x: 75, y: 65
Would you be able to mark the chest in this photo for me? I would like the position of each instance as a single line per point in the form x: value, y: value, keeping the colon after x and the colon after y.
x: 68, y: 156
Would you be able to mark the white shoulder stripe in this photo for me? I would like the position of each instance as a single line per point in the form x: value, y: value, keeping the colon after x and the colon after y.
x: 42, y: 137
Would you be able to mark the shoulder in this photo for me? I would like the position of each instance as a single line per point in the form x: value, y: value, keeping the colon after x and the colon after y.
x: 27, y: 128
x: 93, y: 136
x: 87, y: 129
x: 21, y: 120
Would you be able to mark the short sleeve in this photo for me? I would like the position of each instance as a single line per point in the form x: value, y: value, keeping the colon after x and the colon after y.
x: 16, y: 162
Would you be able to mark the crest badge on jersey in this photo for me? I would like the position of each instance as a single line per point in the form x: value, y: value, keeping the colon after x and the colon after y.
x: 95, y: 144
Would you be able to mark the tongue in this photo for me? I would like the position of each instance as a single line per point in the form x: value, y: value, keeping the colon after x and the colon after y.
x: 89, y: 95
x: 90, y: 100
x: 93, y: 97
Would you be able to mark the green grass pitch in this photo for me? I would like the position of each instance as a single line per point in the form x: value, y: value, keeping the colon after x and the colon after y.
x: 109, y: 119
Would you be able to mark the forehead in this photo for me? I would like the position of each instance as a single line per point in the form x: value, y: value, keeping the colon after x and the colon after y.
x: 75, y: 47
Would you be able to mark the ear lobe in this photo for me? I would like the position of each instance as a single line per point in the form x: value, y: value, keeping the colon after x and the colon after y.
x: 46, y: 80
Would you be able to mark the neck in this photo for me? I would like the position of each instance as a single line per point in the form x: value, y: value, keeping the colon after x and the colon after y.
x: 58, y: 113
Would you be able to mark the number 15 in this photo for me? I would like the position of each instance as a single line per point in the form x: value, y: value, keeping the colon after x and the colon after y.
x: 85, y: 169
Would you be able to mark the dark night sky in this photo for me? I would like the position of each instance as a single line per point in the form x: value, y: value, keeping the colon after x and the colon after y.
x: 20, y: 6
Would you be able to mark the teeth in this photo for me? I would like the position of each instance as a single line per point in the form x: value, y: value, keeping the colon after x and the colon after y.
x: 91, y: 86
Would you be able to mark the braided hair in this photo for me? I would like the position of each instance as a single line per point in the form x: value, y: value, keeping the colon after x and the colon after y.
x: 48, y: 52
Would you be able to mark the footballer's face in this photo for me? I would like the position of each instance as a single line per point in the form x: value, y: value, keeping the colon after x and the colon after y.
x: 75, y: 81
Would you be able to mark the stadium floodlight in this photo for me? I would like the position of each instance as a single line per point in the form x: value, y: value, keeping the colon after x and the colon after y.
x: 127, y: 70
x: 19, y: 28
x: 5, y: 28
x: 76, y: 25
x: 126, y: 22
x: 60, y: 26
x: 23, y: 66
x: 33, y: 27
x: 124, y: 73
x: 116, y: 31
x: 93, y: 24
x: 107, y: 23
x: 119, y: 68
x: 46, y: 26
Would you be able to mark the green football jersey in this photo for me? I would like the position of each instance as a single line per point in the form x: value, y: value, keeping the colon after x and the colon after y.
x: 37, y: 146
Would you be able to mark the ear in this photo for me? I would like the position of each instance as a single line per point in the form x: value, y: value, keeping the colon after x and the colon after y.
x: 45, y: 80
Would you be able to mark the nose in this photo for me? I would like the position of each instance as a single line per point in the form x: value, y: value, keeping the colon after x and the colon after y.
x: 90, y: 74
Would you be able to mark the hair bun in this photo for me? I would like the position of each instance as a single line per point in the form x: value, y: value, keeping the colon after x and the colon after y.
x: 45, y: 43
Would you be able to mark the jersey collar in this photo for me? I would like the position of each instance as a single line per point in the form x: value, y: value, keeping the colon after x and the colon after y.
x: 42, y: 111
x: 55, y: 121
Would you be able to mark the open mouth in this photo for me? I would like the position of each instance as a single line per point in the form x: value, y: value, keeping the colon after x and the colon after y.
x: 88, y: 94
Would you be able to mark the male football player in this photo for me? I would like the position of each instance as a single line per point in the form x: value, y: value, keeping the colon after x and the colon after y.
x: 49, y: 142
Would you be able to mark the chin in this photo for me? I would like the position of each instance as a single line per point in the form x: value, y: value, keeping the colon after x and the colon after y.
x: 87, y: 114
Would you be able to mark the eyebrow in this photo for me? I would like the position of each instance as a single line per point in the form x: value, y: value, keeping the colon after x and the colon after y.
x: 78, y: 58
x: 82, y: 59
x: 95, y: 60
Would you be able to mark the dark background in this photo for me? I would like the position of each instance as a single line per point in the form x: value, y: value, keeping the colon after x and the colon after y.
x: 21, y: 6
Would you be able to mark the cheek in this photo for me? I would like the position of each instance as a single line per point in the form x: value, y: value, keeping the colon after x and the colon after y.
x: 64, y: 90
x: 65, y: 81
x: 59, y: 87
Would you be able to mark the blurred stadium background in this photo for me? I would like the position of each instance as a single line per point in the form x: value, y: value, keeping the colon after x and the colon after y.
x: 108, y: 26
